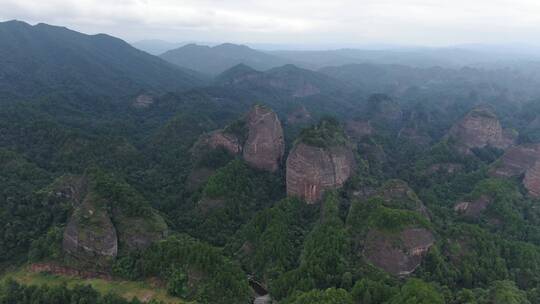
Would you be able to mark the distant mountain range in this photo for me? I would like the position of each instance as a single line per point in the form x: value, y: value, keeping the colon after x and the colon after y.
x: 42, y: 59
x: 217, y: 59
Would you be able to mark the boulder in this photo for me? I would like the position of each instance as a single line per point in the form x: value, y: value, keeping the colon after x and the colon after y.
x: 311, y: 170
x: 265, y: 144
x: 478, y: 129
x: 398, y: 253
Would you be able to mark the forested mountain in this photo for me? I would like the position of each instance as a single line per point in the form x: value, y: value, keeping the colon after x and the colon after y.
x: 352, y: 184
x: 217, y: 59
x: 44, y: 59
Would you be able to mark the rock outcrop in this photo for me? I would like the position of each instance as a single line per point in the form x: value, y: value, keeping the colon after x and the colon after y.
x: 99, y: 226
x: 312, y: 170
x: 531, y: 181
x: 265, y: 144
x: 478, y: 129
x: 90, y: 236
x: 223, y: 139
x: 521, y: 160
x: 474, y: 208
x: 321, y: 159
x: 399, y: 254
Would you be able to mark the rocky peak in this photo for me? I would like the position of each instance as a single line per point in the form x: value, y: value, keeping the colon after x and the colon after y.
x: 265, y: 144
x: 321, y: 160
x: 478, y: 129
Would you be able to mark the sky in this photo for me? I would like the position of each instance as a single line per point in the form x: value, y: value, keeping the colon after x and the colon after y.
x: 309, y: 22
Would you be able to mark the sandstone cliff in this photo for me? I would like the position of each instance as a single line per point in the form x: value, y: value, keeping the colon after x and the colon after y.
x: 478, y: 129
x: 521, y: 160
x: 312, y: 170
x: 265, y: 144
x: 317, y: 164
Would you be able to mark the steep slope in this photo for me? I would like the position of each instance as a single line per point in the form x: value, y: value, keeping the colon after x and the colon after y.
x: 42, y: 58
x: 217, y: 59
x: 322, y: 159
x: 265, y: 144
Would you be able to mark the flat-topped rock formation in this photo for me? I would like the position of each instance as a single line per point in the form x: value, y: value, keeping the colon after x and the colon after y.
x: 322, y: 159
x: 478, y: 129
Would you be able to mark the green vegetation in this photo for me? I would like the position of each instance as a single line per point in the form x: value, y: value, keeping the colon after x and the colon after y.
x: 218, y: 278
x: 328, y: 133
x: 127, y: 290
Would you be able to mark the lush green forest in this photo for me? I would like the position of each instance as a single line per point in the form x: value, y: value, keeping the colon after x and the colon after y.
x: 163, y: 192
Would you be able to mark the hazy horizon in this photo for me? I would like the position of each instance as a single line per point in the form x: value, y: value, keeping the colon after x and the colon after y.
x: 304, y: 24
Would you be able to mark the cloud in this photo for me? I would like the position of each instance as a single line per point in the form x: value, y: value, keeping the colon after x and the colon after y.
x: 286, y: 21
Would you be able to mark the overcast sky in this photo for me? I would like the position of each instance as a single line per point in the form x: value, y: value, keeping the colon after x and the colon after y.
x: 339, y: 22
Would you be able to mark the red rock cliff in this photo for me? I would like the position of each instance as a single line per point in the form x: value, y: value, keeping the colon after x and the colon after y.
x: 312, y: 170
x: 265, y: 145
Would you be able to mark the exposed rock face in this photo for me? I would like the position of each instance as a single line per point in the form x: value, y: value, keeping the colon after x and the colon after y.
x: 90, y: 235
x: 265, y: 144
x: 312, y: 170
x: 222, y: 139
x: 516, y: 161
x: 473, y: 209
x: 519, y: 160
x: 478, y: 129
x: 98, y: 229
x: 399, y: 254
x: 532, y: 180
